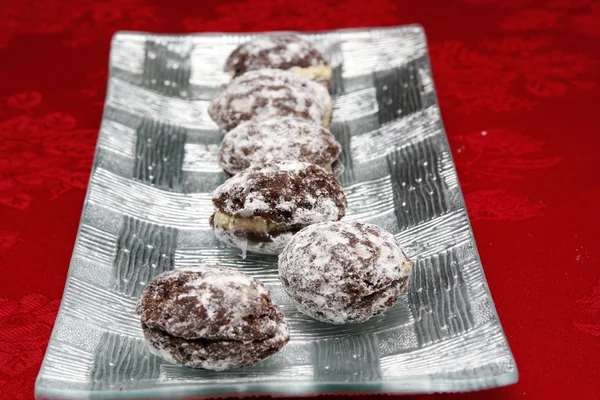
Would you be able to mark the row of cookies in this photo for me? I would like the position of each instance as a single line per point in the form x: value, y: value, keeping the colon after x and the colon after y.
x: 282, y: 197
x: 281, y: 158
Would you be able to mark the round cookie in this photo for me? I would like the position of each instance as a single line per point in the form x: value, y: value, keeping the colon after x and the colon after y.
x: 340, y: 272
x: 279, y: 51
x: 210, y: 317
x: 278, y: 139
x: 261, y: 208
x: 268, y: 93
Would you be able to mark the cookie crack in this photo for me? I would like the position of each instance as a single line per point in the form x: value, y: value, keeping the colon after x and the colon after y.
x: 204, y: 342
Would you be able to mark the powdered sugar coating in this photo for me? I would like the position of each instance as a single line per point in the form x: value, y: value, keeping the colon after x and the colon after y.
x: 342, y: 272
x: 276, y: 139
x: 210, y: 317
x: 207, y: 302
x: 214, y: 355
x: 289, y: 192
x: 280, y: 51
x: 267, y: 93
x: 292, y: 193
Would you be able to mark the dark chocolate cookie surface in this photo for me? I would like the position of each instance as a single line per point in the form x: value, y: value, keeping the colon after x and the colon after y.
x: 287, y: 192
x: 193, y: 315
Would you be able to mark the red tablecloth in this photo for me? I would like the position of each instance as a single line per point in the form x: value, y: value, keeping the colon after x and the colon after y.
x: 518, y: 84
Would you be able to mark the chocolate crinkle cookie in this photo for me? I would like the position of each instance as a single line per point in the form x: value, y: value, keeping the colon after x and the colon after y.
x: 268, y: 93
x: 261, y: 208
x: 210, y: 317
x: 277, y: 139
x: 340, y: 272
x: 279, y: 51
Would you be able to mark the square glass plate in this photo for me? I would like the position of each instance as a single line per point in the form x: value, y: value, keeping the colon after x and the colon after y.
x: 147, y: 210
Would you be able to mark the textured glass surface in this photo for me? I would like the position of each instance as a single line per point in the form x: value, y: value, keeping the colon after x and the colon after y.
x: 147, y: 210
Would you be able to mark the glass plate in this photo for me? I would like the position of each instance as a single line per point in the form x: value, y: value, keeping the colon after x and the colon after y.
x: 147, y: 210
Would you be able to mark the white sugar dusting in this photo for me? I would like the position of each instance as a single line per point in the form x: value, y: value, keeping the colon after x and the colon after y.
x: 217, y: 358
x: 223, y: 280
x: 294, y: 166
x: 275, y: 51
x: 362, y: 251
x: 320, y: 239
x: 162, y: 353
x: 246, y: 325
x: 322, y: 208
x: 241, y: 105
x: 277, y: 139
x: 217, y: 290
x: 251, y: 206
x: 322, y: 260
x: 267, y: 93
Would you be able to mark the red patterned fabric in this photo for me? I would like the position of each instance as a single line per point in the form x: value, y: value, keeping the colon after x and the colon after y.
x: 518, y: 88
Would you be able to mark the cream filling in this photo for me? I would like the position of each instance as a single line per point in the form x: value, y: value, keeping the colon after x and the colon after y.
x: 407, y: 267
x: 327, y: 167
x: 314, y: 72
x: 254, y: 224
x: 327, y: 114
